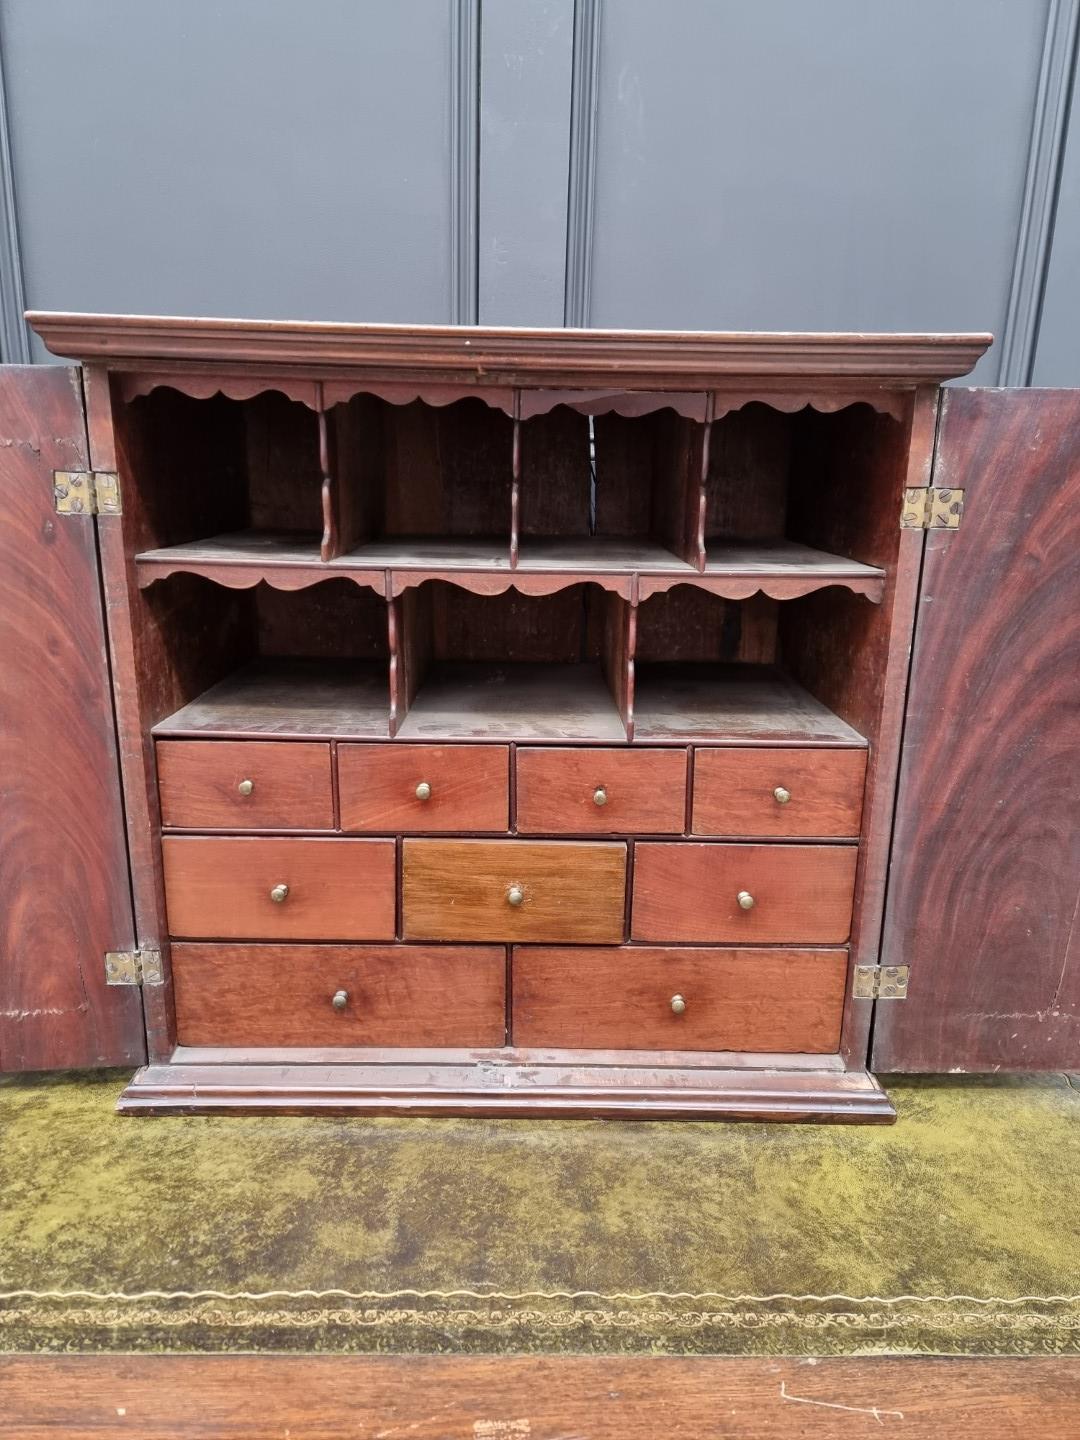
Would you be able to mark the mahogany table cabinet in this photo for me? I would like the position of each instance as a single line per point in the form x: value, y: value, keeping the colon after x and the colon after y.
x: 503, y: 722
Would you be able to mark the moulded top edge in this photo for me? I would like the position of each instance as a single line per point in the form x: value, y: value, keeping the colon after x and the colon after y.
x: 514, y: 355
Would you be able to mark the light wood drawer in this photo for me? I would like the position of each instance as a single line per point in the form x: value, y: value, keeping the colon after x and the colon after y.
x: 782, y: 1001
x: 800, y: 893
x: 245, y: 784
x: 782, y: 793
x: 335, y: 889
x: 603, y: 791
x: 464, y: 889
x: 424, y: 787
x: 284, y: 995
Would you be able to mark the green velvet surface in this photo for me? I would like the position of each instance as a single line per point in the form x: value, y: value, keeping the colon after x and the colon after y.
x: 955, y: 1231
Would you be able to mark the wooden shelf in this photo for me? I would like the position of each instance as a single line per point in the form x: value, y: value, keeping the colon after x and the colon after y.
x: 302, y: 699
x: 583, y: 554
x: 743, y: 704
x: 476, y: 701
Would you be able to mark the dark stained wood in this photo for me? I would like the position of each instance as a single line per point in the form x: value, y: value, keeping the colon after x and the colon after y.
x: 618, y: 402
x: 643, y: 359
x: 63, y: 862
x: 198, y: 785
x: 469, y: 787
x: 665, y: 1090
x: 689, y: 892
x: 615, y: 998
x: 483, y: 1397
x: 644, y: 790
x: 555, y: 475
x: 458, y: 890
x: 307, y: 699
x: 281, y: 995
x: 735, y: 792
x: 746, y: 486
x: 337, y: 889
x: 984, y: 890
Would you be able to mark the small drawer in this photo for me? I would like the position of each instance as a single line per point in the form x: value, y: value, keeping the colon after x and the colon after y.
x: 274, y: 889
x: 601, y: 792
x: 245, y: 784
x: 424, y: 787
x: 782, y: 793
x: 331, y: 995
x: 760, y: 894
x: 629, y: 998
x: 513, y: 890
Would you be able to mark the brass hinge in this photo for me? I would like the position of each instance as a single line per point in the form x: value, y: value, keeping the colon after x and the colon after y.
x: 86, y: 492
x: 133, y: 967
x: 880, y: 982
x: 928, y: 507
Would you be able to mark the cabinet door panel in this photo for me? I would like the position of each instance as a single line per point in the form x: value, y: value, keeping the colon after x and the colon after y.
x: 984, y: 882
x: 64, y: 882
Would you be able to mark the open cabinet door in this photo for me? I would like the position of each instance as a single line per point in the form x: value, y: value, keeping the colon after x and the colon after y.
x: 65, y: 894
x: 984, y: 882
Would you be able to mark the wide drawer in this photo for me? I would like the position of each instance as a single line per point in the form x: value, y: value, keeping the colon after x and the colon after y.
x: 271, y: 889
x: 329, y: 995
x: 782, y: 1001
x: 762, y: 894
x: 424, y: 787
x: 245, y: 784
x: 782, y: 793
x: 513, y: 890
x: 602, y: 791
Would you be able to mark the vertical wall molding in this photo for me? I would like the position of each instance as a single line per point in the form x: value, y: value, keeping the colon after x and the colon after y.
x: 584, y: 83
x: 464, y: 162
x: 1036, y: 231
x: 14, y: 335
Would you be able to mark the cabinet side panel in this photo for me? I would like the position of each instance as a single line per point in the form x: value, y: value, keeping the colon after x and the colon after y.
x: 63, y: 861
x: 985, y: 873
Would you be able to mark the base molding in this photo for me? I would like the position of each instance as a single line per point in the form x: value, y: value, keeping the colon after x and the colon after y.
x: 511, y: 1089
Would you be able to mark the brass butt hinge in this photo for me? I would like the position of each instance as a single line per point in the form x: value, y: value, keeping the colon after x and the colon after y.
x: 880, y: 982
x: 86, y: 492
x: 928, y: 507
x: 133, y: 967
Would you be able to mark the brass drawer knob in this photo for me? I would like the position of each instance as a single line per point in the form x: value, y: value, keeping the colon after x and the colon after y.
x: 279, y: 894
x: 515, y: 895
x: 599, y: 796
x: 781, y: 796
x: 340, y: 1000
x: 678, y: 1004
x: 246, y: 787
x: 423, y: 791
x: 746, y: 900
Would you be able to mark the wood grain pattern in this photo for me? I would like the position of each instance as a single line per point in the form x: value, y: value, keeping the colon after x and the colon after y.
x: 324, y: 699
x: 688, y: 892
x: 482, y: 1397
x: 643, y: 359
x: 198, y: 784
x: 620, y: 998
x: 338, y: 889
x: 666, y: 1089
x: 735, y: 704
x: 470, y: 787
x: 734, y: 792
x: 984, y: 890
x: 457, y: 890
x: 645, y: 791
x: 280, y: 995
x: 63, y: 857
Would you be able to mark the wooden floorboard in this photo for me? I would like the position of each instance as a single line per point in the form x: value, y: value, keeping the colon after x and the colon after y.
x: 188, y: 1397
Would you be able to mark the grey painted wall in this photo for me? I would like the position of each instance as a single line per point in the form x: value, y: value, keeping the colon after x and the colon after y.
x: 702, y: 163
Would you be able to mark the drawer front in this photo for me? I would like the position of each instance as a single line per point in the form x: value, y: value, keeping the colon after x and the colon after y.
x: 782, y: 793
x: 329, y: 995
x: 333, y: 889
x: 601, y: 792
x: 256, y: 784
x: 795, y: 893
x: 782, y: 1001
x: 424, y: 787
x: 465, y: 889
